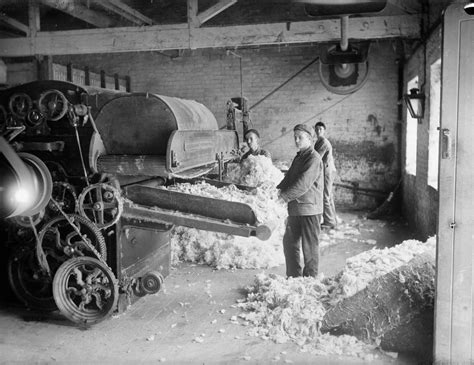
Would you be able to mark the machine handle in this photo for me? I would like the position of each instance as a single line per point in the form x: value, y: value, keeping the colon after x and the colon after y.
x: 445, y: 143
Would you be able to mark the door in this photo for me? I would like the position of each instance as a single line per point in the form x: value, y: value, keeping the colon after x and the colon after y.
x: 454, y: 309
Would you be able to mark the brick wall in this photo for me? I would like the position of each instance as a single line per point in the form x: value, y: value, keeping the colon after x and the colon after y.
x: 362, y: 126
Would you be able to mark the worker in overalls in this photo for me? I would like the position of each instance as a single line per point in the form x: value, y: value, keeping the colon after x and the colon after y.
x: 324, y: 148
x: 302, y: 189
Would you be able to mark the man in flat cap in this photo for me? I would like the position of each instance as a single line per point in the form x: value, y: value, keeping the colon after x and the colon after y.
x: 302, y: 187
x: 324, y: 148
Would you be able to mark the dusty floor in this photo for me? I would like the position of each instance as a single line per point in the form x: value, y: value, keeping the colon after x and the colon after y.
x: 196, y: 302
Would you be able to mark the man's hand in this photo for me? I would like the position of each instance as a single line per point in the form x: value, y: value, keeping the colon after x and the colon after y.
x: 281, y: 197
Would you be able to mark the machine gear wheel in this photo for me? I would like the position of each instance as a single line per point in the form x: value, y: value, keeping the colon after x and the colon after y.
x: 67, y: 241
x: 20, y: 105
x: 53, y: 104
x: 101, y: 204
x: 65, y: 196
x: 60, y: 242
x: 31, y: 285
x: 85, y: 290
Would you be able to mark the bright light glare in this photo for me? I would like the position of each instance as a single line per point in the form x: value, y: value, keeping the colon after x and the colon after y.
x: 22, y: 196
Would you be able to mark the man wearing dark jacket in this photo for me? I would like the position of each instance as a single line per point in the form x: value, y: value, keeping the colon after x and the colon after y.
x: 252, y: 138
x: 302, y: 187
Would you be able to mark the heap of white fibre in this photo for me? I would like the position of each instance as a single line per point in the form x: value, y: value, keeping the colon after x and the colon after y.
x: 254, y: 171
x: 292, y: 309
x: 224, y: 251
x: 363, y: 268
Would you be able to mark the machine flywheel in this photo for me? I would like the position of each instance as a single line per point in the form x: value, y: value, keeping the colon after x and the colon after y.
x: 85, y: 290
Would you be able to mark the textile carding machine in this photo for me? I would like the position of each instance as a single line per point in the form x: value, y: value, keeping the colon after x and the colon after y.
x: 84, y: 214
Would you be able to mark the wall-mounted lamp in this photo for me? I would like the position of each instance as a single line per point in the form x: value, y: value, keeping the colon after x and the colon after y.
x: 415, y: 102
x: 469, y: 8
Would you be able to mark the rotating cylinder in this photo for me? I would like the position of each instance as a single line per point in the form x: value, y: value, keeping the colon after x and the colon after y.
x: 25, y: 183
x: 141, y: 124
x: 160, y: 136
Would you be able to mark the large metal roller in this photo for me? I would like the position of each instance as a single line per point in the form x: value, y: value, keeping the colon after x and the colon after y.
x: 155, y: 135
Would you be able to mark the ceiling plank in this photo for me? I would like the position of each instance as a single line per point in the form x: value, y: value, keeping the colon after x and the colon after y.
x: 77, y: 10
x: 15, y: 24
x: 211, y: 12
x: 125, y: 11
x: 159, y: 38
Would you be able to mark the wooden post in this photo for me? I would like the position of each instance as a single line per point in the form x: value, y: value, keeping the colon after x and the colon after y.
x: 102, y: 79
x: 116, y: 82
x: 87, y: 76
x: 128, y: 84
x: 69, y: 72
x: 45, y: 67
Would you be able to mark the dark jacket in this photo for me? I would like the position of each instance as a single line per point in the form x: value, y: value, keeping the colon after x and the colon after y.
x: 303, y: 184
x: 324, y: 148
x: 258, y: 152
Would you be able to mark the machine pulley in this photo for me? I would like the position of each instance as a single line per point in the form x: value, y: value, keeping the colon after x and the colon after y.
x: 101, y: 204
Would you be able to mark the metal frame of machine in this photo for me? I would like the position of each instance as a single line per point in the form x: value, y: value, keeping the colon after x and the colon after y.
x: 99, y: 237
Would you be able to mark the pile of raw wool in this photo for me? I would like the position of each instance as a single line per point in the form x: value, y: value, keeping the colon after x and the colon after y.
x: 224, y: 251
x: 365, y: 267
x: 254, y: 171
x: 292, y: 309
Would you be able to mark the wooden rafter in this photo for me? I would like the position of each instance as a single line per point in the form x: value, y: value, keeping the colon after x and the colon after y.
x: 196, y: 19
x: 78, y: 10
x: 178, y: 36
x: 13, y: 23
x: 33, y: 18
x: 125, y: 11
x: 210, y: 13
x: 409, y: 7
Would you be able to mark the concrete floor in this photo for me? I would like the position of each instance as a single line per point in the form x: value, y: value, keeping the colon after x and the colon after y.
x: 196, y: 302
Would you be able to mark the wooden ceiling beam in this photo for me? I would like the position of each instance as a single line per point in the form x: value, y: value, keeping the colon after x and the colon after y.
x: 76, y: 9
x: 15, y: 24
x: 125, y: 11
x: 211, y: 12
x: 177, y: 36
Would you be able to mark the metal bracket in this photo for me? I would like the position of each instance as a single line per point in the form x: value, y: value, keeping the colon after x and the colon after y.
x: 446, y: 143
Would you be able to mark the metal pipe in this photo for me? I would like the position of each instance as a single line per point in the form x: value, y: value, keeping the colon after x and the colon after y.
x: 344, y: 37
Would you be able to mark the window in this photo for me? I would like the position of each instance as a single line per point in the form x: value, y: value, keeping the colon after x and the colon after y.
x: 433, y: 147
x: 411, y: 135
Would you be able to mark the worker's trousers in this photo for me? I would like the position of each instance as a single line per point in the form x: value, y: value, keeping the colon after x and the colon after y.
x: 302, y: 232
x: 329, y: 215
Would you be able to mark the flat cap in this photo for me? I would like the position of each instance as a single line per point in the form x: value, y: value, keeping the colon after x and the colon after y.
x: 304, y: 128
x: 254, y: 131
